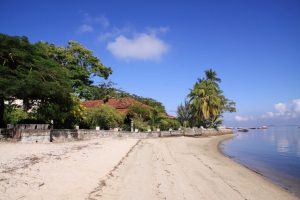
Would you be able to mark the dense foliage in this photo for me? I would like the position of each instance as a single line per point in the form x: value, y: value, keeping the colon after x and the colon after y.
x: 205, y: 103
x: 106, y: 117
x: 45, y: 76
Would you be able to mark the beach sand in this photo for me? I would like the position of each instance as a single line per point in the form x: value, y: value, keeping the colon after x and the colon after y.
x: 59, y: 170
x: 158, y: 168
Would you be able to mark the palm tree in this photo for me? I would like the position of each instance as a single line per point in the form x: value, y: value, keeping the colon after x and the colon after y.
x: 212, y: 75
x: 207, y: 101
x: 184, y: 114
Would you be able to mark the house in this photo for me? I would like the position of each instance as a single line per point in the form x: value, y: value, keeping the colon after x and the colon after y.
x: 121, y: 104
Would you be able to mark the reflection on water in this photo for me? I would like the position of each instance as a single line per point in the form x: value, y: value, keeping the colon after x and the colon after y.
x: 282, y: 145
x: 273, y: 152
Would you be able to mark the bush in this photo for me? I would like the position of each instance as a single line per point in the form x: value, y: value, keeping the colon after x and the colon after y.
x: 104, y: 116
x: 166, y: 124
x: 13, y: 115
x: 139, y: 112
x: 142, y: 126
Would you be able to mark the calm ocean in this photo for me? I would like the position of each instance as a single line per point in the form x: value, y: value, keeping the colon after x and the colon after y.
x: 272, y: 152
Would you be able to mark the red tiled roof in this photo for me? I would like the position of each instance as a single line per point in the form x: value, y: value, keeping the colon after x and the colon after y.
x: 121, y: 104
x: 92, y: 104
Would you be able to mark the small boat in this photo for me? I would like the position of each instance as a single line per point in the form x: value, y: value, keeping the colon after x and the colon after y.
x: 243, y: 130
x: 262, y: 127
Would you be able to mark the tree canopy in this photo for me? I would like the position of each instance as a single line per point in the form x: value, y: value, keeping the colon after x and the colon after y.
x: 45, y: 75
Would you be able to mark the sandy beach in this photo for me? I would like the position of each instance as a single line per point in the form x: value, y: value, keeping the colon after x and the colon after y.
x: 158, y: 168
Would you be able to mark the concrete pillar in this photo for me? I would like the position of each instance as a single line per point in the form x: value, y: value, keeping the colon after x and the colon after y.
x: 131, y: 125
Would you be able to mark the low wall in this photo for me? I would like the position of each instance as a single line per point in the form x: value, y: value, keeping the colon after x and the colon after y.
x: 66, y: 135
x: 194, y: 132
x: 35, y: 135
x: 63, y: 135
x: 5, y: 133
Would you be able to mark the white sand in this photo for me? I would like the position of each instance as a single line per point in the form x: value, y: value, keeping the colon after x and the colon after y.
x: 186, y: 168
x: 58, y: 171
x: 160, y: 168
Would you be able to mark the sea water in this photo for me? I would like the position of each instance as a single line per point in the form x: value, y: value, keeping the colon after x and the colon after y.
x: 272, y: 152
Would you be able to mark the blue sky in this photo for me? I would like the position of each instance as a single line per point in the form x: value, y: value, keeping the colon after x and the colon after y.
x: 158, y: 49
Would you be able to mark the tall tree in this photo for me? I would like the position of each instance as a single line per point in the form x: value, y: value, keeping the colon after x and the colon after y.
x: 28, y: 73
x: 208, y: 102
x: 46, y: 75
x: 81, y: 64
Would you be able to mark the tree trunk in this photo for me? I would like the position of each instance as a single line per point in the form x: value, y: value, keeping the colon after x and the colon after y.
x: 2, y: 125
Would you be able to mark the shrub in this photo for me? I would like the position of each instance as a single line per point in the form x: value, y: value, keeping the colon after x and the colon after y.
x: 166, y: 124
x: 104, y: 116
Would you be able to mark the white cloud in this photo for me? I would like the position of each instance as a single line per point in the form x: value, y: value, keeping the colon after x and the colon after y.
x: 296, y: 105
x: 281, y: 108
x: 241, y: 118
x: 125, y: 42
x: 269, y: 114
x: 85, y: 28
x: 285, y: 111
x: 142, y: 47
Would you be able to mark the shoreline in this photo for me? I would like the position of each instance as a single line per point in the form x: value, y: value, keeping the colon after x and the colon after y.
x: 269, y: 179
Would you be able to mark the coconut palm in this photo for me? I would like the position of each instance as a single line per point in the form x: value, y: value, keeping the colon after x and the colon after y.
x: 207, y: 101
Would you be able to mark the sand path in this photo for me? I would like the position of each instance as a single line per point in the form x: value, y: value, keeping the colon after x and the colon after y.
x: 185, y: 168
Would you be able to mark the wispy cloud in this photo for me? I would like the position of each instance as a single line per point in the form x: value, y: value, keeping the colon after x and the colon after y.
x: 142, y: 47
x: 84, y: 29
x: 103, y: 21
x: 113, y: 33
x: 89, y: 23
x: 157, y: 30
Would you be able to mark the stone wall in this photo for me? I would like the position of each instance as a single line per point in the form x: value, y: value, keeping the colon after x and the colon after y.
x: 35, y: 135
x: 194, y: 132
x: 66, y: 135
x: 63, y: 135
x: 5, y: 133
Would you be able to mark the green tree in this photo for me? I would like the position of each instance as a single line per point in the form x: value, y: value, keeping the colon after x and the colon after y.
x: 208, y: 102
x: 140, y: 112
x: 155, y: 118
x: 28, y: 73
x: 81, y: 64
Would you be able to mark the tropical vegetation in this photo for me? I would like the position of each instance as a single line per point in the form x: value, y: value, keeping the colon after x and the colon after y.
x: 205, y: 103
